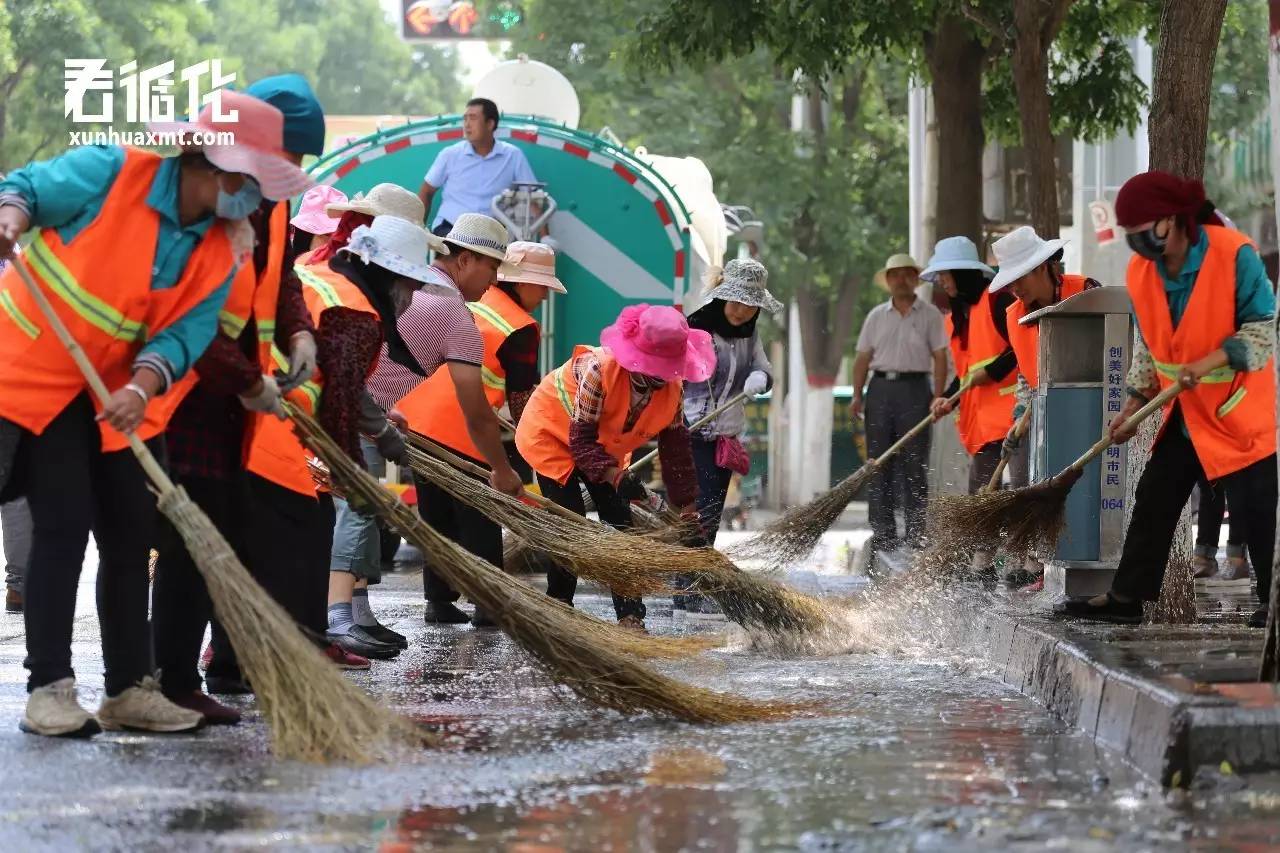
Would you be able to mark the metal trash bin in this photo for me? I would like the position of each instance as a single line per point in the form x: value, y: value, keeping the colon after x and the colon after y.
x: 1085, y: 345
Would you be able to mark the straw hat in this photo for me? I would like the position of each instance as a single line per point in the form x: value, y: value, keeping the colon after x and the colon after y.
x: 311, y: 217
x: 531, y: 263
x: 392, y: 243
x: 258, y: 149
x: 743, y: 280
x: 896, y: 262
x: 482, y: 234
x: 1018, y: 253
x: 383, y: 200
x: 655, y: 340
x: 954, y: 253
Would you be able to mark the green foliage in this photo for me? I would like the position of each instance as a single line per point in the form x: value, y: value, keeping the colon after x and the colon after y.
x: 1240, y: 88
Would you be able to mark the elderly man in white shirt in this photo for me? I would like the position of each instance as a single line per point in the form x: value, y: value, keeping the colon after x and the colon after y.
x: 903, y: 346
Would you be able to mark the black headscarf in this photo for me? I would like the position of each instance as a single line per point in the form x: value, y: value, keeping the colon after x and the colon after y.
x: 711, y: 318
x: 377, y: 284
x: 970, y: 286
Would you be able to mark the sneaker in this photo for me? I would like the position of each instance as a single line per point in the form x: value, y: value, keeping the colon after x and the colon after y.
x: 481, y: 619
x: 213, y: 711
x: 1236, y: 569
x: 1203, y: 567
x: 633, y: 624
x: 343, y: 659
x: 383, y: 634
x: 361, y: 643
x: 143, y: 708
x: 444, y: 613
x: 53, y: 711
x: 12, y: 601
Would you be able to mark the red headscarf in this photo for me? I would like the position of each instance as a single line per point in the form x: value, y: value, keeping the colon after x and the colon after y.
x: 350, y: 221
x: 1156, y: 195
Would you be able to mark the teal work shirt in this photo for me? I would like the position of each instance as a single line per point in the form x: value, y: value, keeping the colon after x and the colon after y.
x: 66, y: 194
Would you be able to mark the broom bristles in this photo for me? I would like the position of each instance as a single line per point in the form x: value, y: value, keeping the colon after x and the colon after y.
x: 313, y: 713
x: 593, y: 670
x: 1023, y: 522
x: 793, y: 535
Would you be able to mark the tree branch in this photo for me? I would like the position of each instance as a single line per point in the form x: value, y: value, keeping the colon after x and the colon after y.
x: 988, y: 23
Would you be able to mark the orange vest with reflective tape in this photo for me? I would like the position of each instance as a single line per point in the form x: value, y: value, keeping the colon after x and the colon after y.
x: 542, y: 435
x: 1230, y: 415
x: 100, y: 287
x: 986, y: 412
x: 432, y: 407
x: 272, y: 450
x: 1025, y: 340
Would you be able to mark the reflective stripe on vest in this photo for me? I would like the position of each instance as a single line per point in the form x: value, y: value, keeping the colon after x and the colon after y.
x: 15, y: 313
x: 90, y: 308
x: 325, y: 290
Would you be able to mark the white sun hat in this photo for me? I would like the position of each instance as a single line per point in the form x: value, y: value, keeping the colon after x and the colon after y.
x: 481, y: 234
x: 531, y: 263
x: 392, y: 243
x: 954, y: 253
x: 1018, y: 253
x: 383, y: 200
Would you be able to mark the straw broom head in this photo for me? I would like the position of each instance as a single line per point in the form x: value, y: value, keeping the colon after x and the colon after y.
x: 591, y: 669
x: 1024, y: 522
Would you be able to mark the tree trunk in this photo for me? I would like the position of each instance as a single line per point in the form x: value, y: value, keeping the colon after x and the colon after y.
x: 955, y: 57
x: 1036, y: 24
x: 1179, y: 122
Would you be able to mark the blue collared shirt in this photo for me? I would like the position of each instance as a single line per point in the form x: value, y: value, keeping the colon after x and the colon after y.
x: 67, y: 193
x: 468, y: 182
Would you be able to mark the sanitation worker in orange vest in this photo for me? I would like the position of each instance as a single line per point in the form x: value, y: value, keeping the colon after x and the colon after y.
x: 235, y: 383
x: 504, y: 316
x: 589, y: 414
x: 1204, y: 310
x: 1031, y: 269
x: 136, y: 253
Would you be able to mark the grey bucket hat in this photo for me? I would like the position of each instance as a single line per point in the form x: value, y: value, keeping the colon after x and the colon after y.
x: 743, y: 280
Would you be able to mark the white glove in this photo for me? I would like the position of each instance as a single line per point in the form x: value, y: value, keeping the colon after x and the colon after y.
x: 266, y: 400
x: 757, y: 383
x: 302, y: 361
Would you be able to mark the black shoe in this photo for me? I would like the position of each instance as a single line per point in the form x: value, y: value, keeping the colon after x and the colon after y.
x: 227, y: 685
x: 1120, y: 612
x: 1259, y: 618
x: 12, y: 601
x: 481, y: 619
x: 383, y: 634
x: 360, y: 642
x: 444, y: 613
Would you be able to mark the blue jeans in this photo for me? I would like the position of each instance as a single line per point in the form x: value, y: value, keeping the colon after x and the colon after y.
x: 713, y: 487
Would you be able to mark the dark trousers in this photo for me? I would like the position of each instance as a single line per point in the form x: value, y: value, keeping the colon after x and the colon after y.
x: 460, y: 523
x: 287, y: 537
x: 613, y: 510
x: 1213, y: 506
x: 73, y: 488
x: 1166, y: 484
x: 893, y: 407
x: 180, y: 603
x: 713, y: 487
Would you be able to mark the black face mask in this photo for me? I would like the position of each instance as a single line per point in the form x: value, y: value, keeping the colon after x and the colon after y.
x: 1147, y: 244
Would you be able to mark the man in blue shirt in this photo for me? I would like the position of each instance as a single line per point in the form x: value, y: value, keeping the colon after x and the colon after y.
x: 471, y: 172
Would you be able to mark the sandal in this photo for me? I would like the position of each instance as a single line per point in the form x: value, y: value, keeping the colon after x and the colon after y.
x: 1120, y: 612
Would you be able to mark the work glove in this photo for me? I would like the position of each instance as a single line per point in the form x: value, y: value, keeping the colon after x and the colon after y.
x: 628, y: 485
x: 390, y: 444
x: 266, y: 400
x: 757, y: 383
x: 302, y: 361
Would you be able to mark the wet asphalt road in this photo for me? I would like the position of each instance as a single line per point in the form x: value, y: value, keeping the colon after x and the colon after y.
x: 924, y: 752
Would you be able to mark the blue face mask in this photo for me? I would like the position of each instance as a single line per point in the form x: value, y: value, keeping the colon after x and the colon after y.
x: 241, y: 203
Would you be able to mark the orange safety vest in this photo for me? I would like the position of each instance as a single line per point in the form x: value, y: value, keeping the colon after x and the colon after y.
x: 272, y: 451
x: 1025, y: 340
x: 100, y: 287
x: 1230, y: 414
x: 543, y: 433
x: 432, y: 407
x: 987, y: 410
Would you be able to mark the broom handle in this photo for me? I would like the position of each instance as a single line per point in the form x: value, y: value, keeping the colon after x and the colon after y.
x: 1018, y: 432
x: 1155, y: 404
x: 918, y: 428
x: 99, y: 388
x: 705, y: 419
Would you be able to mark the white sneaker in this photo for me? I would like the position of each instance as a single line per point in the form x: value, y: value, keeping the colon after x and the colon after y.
x: 53, y: 711
x: 145, y: 709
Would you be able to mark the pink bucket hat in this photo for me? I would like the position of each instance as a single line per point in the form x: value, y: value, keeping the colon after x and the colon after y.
x: 258, y: 149
x: 311, y: 216
x: 655, y: 340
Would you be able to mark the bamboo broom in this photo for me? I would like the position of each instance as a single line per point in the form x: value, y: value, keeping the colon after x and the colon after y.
x: 312, y: 712
x: 629, y: 564
x: 1028, y: 520
x: 572, y: 657
x: 795, y: 533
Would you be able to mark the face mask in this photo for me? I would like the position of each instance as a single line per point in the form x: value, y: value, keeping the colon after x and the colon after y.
x: 239, y: 204
x: 1147, y: 244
